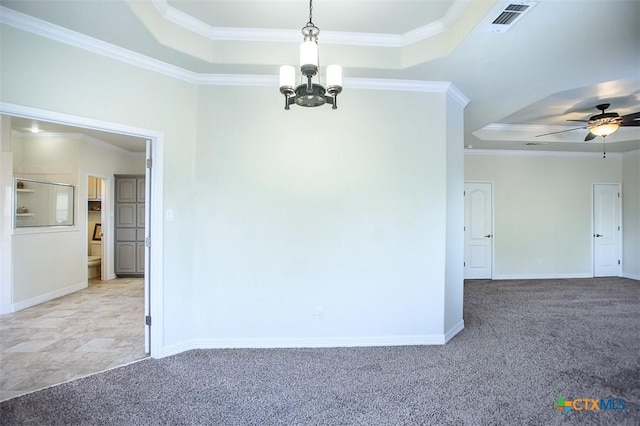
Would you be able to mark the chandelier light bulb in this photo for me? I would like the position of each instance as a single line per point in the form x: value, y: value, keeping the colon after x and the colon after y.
x: 308, y: 54
x: 287, y: 76
x: 334, y: 76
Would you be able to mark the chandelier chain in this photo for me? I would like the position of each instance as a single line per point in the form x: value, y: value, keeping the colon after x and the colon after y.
x: 310, y: 12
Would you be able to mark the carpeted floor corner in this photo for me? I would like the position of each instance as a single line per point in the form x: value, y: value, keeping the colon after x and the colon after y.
x: 525, y: 344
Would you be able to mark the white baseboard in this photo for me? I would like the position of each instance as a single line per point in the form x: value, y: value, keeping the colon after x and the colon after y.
x: 542, y: 276
x: 176, y: 349
x: 454, y: 330
x: 631, y: 276
x: 48, y: 296
x: 312, y: 342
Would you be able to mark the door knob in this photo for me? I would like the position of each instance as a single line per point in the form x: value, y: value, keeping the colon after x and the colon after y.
x: 488, y: 236
x: 598, y: 235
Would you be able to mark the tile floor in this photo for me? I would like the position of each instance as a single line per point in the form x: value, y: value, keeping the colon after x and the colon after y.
x: 92, y: 330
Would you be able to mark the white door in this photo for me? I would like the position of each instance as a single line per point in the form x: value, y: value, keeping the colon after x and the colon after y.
x: 478, y: 230
x: 606, y: 230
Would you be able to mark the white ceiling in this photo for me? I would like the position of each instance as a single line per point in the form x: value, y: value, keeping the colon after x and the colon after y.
x: 556, y: 63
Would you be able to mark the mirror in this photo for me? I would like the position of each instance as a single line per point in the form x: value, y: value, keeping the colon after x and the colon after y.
x: 40, y: 203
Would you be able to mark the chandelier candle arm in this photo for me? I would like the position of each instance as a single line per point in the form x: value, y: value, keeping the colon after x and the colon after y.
x: 310, y: 94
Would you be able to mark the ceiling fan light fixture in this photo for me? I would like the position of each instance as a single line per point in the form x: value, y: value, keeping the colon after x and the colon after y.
x: 604, y: 129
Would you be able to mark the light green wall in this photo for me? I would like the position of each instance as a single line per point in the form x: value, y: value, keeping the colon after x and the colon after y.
x: 631, y: 214
x: 291, y: 227
x: 6, y: 212
x: 40, y: 73
x: 320, y: 225
x: 542, y: 209
x: 453, y: 295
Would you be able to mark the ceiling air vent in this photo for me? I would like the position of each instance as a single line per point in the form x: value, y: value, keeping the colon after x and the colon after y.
x: 503, y: 17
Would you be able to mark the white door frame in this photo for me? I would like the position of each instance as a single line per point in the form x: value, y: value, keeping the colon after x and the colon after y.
x: 148, y: 184
x: 106, y: 265
x: 619, y: 218
x: 155, y: 218
x: 493, y: 221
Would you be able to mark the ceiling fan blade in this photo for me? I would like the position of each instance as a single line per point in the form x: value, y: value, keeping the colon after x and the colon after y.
x: 589, y: 137
x: 632, y: 116
x: 581, y: 121
x: 561, y: 131
x: 630, y: 119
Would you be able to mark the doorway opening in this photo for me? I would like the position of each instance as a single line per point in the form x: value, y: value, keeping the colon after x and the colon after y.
x: 151, y: 148
x: 97, y: 225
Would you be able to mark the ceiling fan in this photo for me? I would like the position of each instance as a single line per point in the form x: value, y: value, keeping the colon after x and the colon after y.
x: 603, y: 124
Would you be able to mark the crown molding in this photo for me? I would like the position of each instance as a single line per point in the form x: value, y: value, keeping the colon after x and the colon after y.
x: 236, y: 80
x: 459, y: 97
x: 531, y: 133
x: 523, y: 153
x: 400, y: 85
x: 436, y: 27
x: 352, y: 83
x: 409, y: 86
x: 63, y: 35
x: 197, y: 26
x: 81, y: 41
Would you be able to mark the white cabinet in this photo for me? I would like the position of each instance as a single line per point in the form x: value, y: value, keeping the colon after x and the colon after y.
x: 94, y: 189
x: 129, y: 225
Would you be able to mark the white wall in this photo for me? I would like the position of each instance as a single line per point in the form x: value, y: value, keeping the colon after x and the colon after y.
x: 543, y: 209
x: 631, y: 214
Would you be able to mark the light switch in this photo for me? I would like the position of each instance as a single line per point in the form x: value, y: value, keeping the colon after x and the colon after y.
x: 169, y: 215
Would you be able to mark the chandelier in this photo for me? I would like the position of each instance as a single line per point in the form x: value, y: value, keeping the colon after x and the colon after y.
x: 310, y: 94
